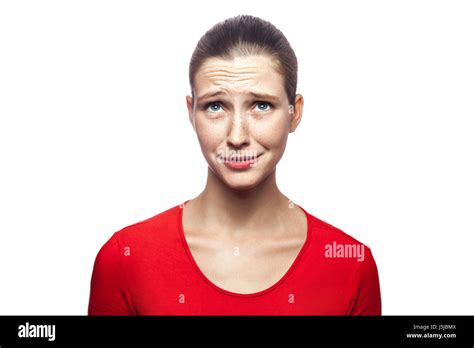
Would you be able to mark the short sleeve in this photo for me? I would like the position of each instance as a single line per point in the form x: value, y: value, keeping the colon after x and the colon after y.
x: 108, y: 288
x: 366, y: 298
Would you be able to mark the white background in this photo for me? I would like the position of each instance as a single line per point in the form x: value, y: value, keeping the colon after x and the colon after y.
x: 94, y: 136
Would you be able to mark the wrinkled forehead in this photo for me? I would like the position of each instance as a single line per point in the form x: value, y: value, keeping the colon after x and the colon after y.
x: 239, y: 75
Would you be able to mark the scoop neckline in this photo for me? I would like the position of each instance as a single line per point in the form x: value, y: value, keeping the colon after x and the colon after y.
x: 290, y: 270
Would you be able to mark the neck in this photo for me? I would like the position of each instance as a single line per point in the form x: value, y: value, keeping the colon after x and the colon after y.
x: 242, y: 210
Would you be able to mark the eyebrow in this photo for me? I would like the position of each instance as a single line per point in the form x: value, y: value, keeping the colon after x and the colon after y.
x: 253, y: 94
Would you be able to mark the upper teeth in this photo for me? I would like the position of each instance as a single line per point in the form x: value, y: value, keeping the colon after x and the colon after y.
x: 240, y: 159
x: 234, y: 158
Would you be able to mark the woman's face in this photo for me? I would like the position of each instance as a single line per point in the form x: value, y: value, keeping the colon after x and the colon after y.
x: 242, y: 118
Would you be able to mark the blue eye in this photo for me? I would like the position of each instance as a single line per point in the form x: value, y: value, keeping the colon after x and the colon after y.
x: 213, y: 107
x: 263, y: 106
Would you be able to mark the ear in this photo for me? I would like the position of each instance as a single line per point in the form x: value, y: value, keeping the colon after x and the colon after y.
x: 296, y: 112
x: 189, y: 104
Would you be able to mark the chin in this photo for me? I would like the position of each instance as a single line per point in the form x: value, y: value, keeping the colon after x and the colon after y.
x: 241, y: 186
x: 239, y: 180
x: 242, y: 181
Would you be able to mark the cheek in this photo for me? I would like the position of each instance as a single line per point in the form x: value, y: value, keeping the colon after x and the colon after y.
x: 209, y: 135
x: 272, y: 134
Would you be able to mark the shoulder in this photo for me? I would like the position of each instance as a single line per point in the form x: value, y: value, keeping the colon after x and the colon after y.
x: 336, y: 248
x: 325, y: 232
x: 347, y: 262
x: 157, y: 227
x: 140, y: 244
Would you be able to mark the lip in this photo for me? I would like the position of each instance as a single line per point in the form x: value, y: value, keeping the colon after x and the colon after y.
x: 235, y: 163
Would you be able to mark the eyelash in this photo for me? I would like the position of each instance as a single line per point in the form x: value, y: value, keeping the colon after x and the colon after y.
x: 270, y: 106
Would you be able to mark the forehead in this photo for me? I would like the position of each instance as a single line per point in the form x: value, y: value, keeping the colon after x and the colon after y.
x: 239, y: 75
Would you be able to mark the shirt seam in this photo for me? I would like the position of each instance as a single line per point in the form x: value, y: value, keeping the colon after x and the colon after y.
x: 355, y: 288
x: 127, y: 288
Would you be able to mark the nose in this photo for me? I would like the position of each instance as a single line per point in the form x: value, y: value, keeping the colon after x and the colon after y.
x: 238, y: 135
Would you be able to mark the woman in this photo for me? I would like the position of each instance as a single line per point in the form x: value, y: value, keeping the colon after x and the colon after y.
x: 241, y: 247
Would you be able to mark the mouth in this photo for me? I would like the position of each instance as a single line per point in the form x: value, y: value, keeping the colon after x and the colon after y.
x: 239, y: 162
x: 238, y: 159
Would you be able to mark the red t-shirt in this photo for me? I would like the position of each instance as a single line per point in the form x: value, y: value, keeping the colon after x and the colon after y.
x: 147, y: 269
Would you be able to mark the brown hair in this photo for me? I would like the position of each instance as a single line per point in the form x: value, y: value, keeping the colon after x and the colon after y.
x: 246, y: 35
